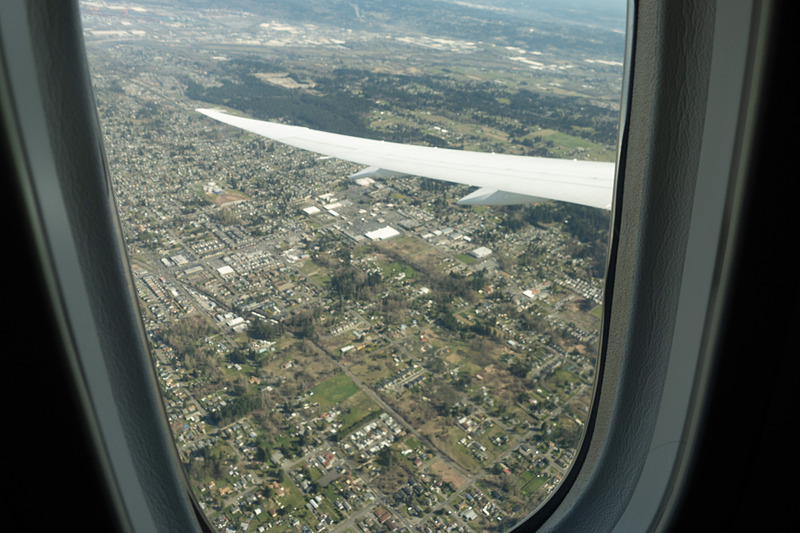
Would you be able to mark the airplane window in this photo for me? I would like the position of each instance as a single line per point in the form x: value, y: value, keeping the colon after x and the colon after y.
x: 349, y: 345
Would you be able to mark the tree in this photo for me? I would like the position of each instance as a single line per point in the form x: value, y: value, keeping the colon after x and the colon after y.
x: 385, y: 457
x: 264, y: 330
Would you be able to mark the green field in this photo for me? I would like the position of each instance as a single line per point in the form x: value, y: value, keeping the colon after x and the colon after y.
x: 392, y: 269
x: 533, y: 484
x: 467, y: 259
x: 360, y: 407
x: 333, y: 390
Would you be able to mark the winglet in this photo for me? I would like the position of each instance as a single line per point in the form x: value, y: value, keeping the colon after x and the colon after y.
x: 375, y: 172
x: 486, y: 196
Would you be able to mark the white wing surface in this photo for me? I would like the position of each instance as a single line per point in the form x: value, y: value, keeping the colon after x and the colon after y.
x: 502, y: 179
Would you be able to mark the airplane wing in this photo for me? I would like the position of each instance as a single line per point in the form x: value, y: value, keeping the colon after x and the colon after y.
x: 501, y: 179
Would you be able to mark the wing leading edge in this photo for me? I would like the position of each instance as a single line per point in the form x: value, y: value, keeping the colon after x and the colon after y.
x: 502, y: 179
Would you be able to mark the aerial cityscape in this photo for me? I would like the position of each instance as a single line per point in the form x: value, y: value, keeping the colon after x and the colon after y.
x: 363, y: 354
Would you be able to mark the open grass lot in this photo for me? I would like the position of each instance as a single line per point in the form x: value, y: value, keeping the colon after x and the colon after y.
x: 530, y: 483
x: 412, y: 407
x: 489, y: 439
x: 356, y: 409
x: 447, y: 441
x: 571, y: 145
x: 312, y: 270
x: 418, y: 253
x: 226, y: 197
x: 333, y: 390
x: 447, y: 474
x: 413, y: 444
x: 466, y: 259
x: 395, y: 268
x: 371, y: 372
x: 572, y: 312
x: 300, y: 366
